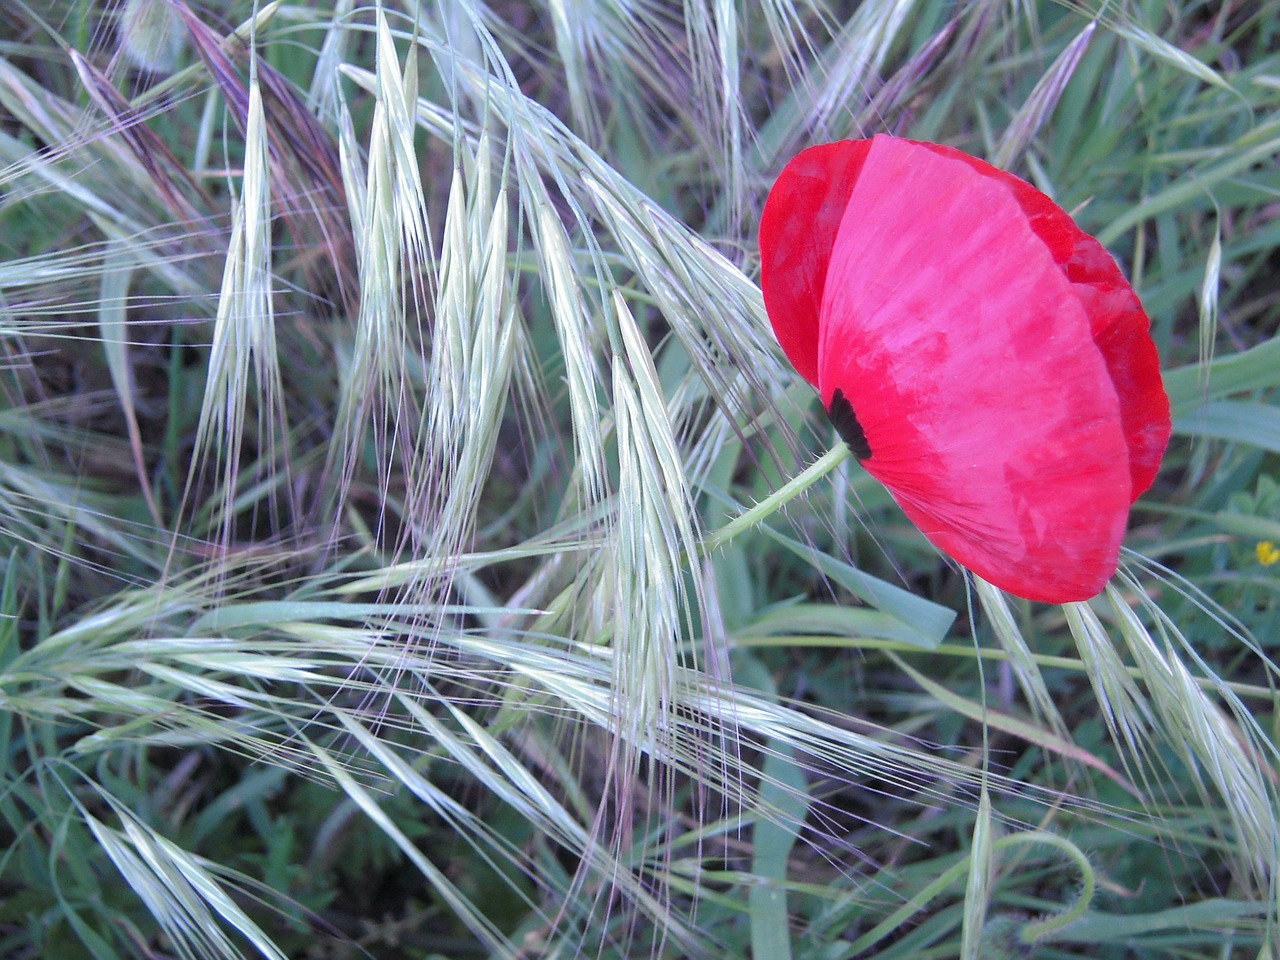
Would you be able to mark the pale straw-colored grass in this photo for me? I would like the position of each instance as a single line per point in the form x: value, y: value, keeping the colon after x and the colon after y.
x: 431, y: 500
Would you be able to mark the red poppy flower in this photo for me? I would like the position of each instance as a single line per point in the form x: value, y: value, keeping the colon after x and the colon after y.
x: 983, y: 357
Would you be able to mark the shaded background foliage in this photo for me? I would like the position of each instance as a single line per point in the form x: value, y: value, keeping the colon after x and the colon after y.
x: 379, y: 385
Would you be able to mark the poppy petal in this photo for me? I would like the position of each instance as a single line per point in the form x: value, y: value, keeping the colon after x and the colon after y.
x: 797, y: 231
x: 1119, y: 325
x: 997, y: 366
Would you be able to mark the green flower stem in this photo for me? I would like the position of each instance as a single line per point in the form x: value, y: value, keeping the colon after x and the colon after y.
x: 1030, y: 932
x: 778, y: 499
x: 1041, y: 929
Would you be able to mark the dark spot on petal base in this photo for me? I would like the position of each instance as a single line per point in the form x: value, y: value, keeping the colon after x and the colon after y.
x: 846, y: 423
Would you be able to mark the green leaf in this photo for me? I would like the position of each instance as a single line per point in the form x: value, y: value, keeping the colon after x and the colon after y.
x: 1237, y: 421
x: 921, y: 622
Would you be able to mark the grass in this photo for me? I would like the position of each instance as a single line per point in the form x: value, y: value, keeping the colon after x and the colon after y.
x: 408, y: 549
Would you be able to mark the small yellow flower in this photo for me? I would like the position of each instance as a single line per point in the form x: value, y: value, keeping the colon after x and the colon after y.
x: 1268, y: 553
